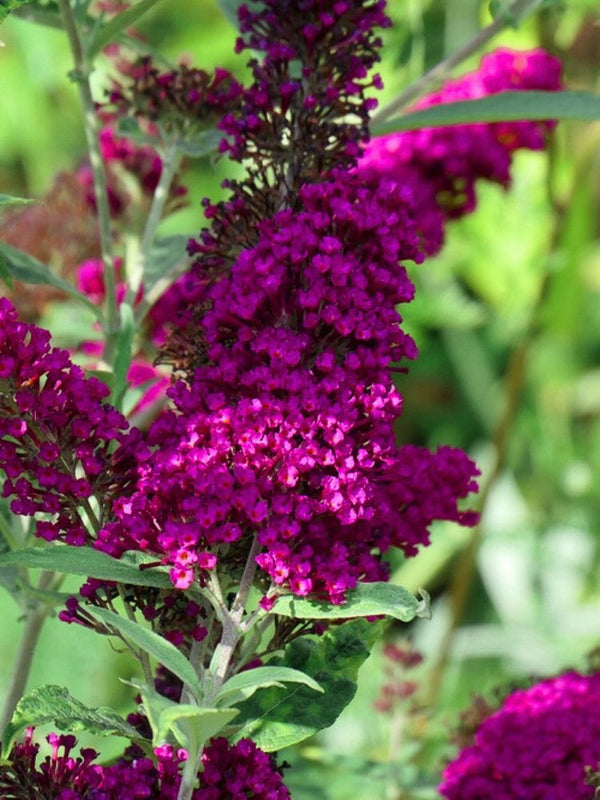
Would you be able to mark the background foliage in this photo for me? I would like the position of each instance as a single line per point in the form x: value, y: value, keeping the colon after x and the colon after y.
x: 507, y: 321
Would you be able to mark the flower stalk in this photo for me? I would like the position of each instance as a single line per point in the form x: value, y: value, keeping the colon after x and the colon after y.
x: 35, y: 617
x: 81, y: 76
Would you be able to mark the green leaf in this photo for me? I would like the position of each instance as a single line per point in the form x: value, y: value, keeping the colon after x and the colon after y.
x: 130, y: 127
x: 55, y: 704
x: 5, y: 272
x: 186, y: 722
x: 153, y: 644
x: 500, y: 107
x: 27, y: 269
x: 8, y: 574
x: 9, y: 200
x: 123, y: 353
x: 244, y: 684
x: 88, y: 562
x: 564, y: 302
x: 6, y: 6
x: 203, y: 144
x: 165, y: 255
x: 367, y: 600
x: 200, y: 723
x: 111, y: 31
x: 275, y: 718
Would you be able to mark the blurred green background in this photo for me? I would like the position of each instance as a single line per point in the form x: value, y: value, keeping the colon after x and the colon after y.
x: 507, y: 320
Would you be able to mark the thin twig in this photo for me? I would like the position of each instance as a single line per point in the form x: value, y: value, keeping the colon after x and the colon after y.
x: 170, y: 165
x: 34, y: 622
x: 81, y: 75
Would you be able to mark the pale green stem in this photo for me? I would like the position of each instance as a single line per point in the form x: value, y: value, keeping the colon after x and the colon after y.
x: 140, y: 654
x: 232, y: 632
x: 441, y: 70
x: 190, y: 774
x: 170, y: 165
x: 34, y: 622
x: 233, y: 627
x: 7, y: 534
x: 82, y: 78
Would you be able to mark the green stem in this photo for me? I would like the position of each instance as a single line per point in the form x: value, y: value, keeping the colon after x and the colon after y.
x: 34, y: 622
x: 170, y: 165
x: 7, y: 534
x: 82, y: 77
x: 233, y: 628
x: 140, y: 654
x: 231, y: 635
x: 441, y: 71
x: 190, y: 774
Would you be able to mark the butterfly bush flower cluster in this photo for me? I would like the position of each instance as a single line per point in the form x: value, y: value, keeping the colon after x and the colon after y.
x: 281, y: 436
x: 230, y: 772
x: 57, y: 433
x: 535, y: 747
x: 283, y: 429
x: 288, y: 432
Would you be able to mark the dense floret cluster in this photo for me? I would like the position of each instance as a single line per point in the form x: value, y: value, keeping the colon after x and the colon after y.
x: 287, y: 432
x: 230, y: 772
x: 239, y: 772
x: 535, y: 747
x: 56, y: 432
x: 177, y: 97
x: 305, y: 112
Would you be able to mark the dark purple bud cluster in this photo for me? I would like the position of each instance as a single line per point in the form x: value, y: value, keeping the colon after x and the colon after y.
x: 180, y: 95
x: 305, y: 112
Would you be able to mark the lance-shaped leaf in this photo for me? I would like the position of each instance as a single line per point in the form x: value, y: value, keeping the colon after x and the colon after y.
x: 7, y: 200
x: 203, y: 144
x: 112, y: 30
x: 123, y: 353
x: 243, y: 685
x: 275, y: 718
x: 87, y: 562
x: 189, y: 724
x: 166, y: 253
x: 27, y: 269
x: 153, y: 644
x: 504, y: 106
x: 55, y: 704
x: 366, y: 600
x: 186, y: 721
